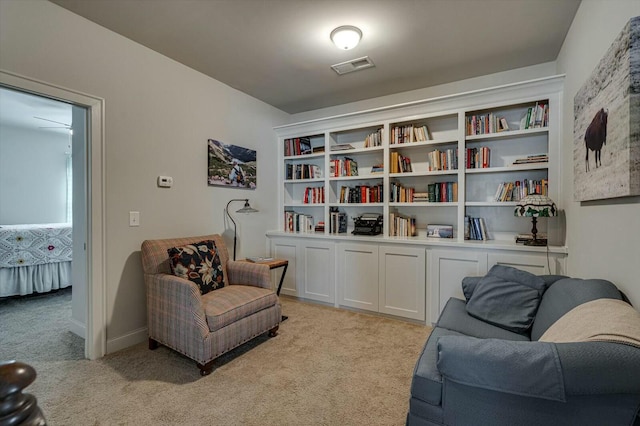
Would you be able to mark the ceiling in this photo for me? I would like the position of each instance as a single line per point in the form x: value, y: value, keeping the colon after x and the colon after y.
x: 279, y: 50
x: 20, y: 109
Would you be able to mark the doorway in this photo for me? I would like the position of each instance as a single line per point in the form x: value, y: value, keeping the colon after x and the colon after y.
x: 88, y: 203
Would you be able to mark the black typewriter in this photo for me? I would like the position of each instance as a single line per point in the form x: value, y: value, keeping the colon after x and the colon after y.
x: 368, y: 224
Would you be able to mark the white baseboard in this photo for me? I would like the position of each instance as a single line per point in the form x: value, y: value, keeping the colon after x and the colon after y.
x: 137, y: 336
x: 76, y: 327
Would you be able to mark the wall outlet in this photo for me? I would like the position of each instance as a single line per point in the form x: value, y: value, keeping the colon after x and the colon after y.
x: 165, y: 181
x: 134, y: 218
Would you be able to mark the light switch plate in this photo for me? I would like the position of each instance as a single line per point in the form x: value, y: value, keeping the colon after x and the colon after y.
x: 134, y: 218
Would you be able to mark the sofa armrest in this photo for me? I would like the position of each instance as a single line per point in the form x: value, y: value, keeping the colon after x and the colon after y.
x: 245, y: 273
x: 591, y: 368
x: 174, y: 310
x: 521, y: 368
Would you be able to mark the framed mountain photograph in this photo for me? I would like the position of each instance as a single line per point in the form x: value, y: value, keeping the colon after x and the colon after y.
x: 232, y: 166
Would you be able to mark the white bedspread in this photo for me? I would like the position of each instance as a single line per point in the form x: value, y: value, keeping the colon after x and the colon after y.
x: 34, y: 258
x: 26, y: 245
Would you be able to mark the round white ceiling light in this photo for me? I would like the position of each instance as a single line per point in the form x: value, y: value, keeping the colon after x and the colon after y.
x: 346, y: 37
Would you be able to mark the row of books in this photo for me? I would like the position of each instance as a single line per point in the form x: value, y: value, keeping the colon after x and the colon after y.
x: 314, y: 195
x: 442, y: 192
x: 402, y: 226
x: 443, y: 160
x: 408, y: 134
x: 478, y: 158
x: 536, y: 116
x: 302, y: 171
x: 337, y: 222
x: 401, y: 194
x: 361, y: 194
x: 374, y: 139
x: 297, y: 222
x: 532, y: 159
x: 483, y: 124
x: 400, y: 163
x: 297, y: 146
x: 343, y: 167
x: 475, y: 228
x: 515, y: 191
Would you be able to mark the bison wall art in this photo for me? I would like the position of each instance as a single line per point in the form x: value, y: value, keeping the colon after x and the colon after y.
x: 607, y: 123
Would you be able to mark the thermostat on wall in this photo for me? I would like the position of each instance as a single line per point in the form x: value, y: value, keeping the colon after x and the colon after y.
x: 165, y: 181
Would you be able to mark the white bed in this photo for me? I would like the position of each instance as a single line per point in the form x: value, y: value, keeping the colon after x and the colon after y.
x: 34, y: 258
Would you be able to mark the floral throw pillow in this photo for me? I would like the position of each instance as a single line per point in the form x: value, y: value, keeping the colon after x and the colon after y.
x: 199, y: 263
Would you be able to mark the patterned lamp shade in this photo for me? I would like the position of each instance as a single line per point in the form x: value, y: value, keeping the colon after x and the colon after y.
x: 536, y: 205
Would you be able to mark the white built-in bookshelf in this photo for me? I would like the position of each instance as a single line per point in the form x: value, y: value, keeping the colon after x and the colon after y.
x: 436, y: 161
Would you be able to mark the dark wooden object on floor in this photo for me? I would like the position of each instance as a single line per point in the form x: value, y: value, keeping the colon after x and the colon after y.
x: 17, y: 408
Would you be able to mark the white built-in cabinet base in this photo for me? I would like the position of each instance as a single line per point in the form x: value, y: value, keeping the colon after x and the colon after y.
x: 411, y: 281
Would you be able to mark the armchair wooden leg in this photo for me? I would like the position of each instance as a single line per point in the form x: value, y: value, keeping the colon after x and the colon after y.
x: 274, y: 331
x: 153, y: 344
x: 206, y: 369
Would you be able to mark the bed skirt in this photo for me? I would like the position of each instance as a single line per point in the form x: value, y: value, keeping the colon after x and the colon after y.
x: 23, y: 280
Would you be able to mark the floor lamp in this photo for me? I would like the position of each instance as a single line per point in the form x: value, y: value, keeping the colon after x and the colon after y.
x: 246, y: 209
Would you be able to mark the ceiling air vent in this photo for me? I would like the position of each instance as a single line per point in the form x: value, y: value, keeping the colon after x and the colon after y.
x: 353, y: 65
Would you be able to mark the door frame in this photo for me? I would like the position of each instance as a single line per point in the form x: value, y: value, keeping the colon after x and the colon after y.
x: 96, y: 336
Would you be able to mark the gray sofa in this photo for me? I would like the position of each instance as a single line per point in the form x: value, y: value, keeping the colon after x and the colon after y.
x: 479, y: 370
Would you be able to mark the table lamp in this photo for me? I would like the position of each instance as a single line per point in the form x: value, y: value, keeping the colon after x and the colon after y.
x: 535, y: 206
x: 246, y: 209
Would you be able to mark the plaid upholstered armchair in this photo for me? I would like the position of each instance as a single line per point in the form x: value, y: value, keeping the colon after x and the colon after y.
x: 240, y: 305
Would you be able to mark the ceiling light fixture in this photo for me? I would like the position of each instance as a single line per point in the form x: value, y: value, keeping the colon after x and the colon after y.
x: 346, y: 37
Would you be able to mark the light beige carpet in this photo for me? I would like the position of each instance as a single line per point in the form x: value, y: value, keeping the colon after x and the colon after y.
x: 325, y: 367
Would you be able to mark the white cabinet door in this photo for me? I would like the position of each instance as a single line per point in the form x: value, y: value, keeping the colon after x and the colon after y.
x: 538, y: 264
x: 446, y: 269
x: 358, y: 275
x: 402, y: 272
x: 283, y: 248
x: 318, y: 271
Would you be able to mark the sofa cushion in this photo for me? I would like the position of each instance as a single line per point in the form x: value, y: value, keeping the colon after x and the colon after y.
x: 198, y: 262
x: 469, y: 283
x: 566, y: 294
x: 454, y: 317
x: 507, y: 297
x: 232, y: 303
x: 427, y: 381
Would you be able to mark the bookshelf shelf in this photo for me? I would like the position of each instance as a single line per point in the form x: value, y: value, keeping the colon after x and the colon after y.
x: 491, y: 203
x: 305, y: 156
x: 507, y: 134
x: 295, y: 181
x: 513, y: 168
x: 421, y: 144
x: 304, y: 204
x: 347, y: 152
x: 359, y: 177
x: 427, y: 173
x: 356, y: 204
x: 425, y: 204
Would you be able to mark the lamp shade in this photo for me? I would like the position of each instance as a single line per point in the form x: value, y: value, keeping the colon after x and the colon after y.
x: 247, y: 208
x: 346, y: 37
x: 536, y: 205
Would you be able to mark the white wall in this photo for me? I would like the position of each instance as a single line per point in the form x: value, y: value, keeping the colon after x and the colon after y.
x: 512, y: 76
x: 612, y: 254
x: 33, y: 175
x: 158, y: 117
